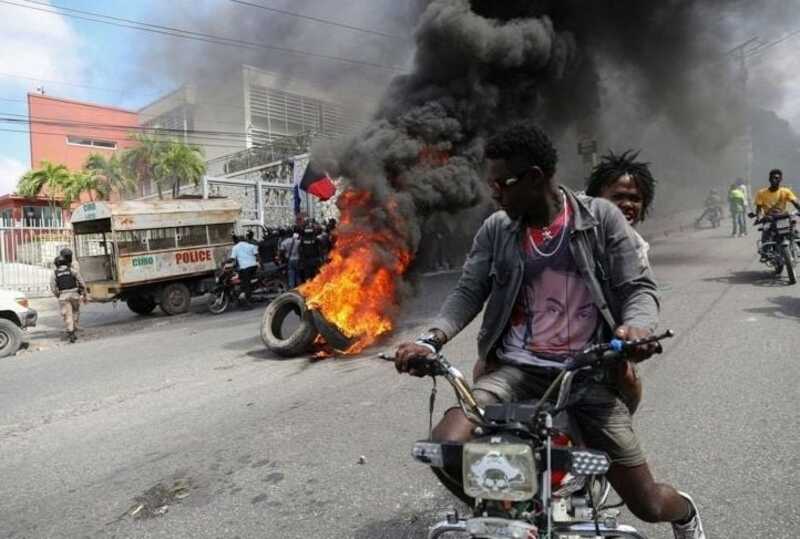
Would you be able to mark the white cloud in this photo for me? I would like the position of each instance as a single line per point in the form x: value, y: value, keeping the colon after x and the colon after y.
x: 39, y: 45
x: 10, y: 172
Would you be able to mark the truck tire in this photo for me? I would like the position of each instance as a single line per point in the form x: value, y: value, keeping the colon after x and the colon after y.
x: 141, y: 304
x: 11, y: 338
x: 301, y: 339
x: 175, y: 299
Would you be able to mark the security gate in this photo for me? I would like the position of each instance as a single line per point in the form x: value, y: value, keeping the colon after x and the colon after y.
x: 26, y: 257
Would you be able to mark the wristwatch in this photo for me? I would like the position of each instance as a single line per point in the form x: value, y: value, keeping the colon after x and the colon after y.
x: 431, y: 340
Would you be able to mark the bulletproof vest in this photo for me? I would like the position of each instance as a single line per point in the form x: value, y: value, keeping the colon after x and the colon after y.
x: 65, y: 280
x: 309, y: 247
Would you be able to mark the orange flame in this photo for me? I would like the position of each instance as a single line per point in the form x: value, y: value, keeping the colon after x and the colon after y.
x: 357, y: 289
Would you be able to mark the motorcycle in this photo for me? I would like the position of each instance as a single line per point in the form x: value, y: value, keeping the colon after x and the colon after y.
x: 265, y: 285
x: 526, y: 473
x: 782, y: 246
x: 714, y: 216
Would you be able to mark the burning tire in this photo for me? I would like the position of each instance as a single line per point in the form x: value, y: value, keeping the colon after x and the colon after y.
x: 331, y: 333
x: 301, y: 339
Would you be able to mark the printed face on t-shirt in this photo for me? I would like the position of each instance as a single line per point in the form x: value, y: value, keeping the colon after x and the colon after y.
x: 564, y: 315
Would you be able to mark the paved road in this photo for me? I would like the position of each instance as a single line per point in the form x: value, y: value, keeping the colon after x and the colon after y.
x: 242, y: 444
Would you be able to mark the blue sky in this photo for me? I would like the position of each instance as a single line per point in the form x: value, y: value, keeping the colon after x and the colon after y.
x: 101, y: 59
x: 105, y: 64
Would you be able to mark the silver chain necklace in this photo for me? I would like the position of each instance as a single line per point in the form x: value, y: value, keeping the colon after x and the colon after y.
x: 547, y: 230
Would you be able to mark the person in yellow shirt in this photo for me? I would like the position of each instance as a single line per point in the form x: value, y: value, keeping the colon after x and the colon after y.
x: 774, y: 199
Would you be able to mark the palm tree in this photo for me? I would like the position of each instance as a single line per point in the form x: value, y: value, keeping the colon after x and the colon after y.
x: 180, y: 163
x: 109, y: 175
x: 55, y: 179
x: 85, y: 182
x: 139, y: 162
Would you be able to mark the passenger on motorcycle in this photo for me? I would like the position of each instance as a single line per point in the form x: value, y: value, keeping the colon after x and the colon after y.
x: 630, y: 185
x: 559, y: 272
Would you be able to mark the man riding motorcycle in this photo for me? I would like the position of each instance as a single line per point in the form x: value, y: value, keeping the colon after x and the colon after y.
x: 713, y: 209
x: 774, y: 200
x: 559, y: 272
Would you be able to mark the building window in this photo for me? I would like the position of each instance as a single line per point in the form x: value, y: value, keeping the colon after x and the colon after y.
x: 91, y: 143
x: 41, y: 216
x: 8, y: 217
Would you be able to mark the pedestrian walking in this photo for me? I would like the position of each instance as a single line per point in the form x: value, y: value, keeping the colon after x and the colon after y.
x: 737, y: 199
x: 68, y: 286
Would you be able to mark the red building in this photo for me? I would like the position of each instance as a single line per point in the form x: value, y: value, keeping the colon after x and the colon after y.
x: 67, y: 132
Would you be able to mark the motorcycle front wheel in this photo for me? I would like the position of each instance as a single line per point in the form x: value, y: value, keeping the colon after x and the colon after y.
x: 218, y: 302
x: 786, y: 252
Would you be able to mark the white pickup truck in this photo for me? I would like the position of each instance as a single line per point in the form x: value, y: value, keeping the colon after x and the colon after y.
x: 15, y: 315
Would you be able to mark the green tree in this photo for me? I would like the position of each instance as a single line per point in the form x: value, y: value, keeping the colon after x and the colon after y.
x: 108, y: 175
x: 56, y: 179
x: 85, y: 182
x: 180, y: 164
x: 139, y: 162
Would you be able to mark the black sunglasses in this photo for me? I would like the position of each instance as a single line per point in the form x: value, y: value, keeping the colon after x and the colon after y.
x: 508, y: 182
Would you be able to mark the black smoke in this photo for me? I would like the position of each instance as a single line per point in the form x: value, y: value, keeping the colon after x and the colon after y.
x: 481, y: 64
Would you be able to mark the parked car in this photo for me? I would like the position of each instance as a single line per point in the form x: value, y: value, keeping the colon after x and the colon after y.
x: 15, y: 315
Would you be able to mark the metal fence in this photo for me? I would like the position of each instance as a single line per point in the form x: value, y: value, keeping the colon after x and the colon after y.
x: 27, y: 254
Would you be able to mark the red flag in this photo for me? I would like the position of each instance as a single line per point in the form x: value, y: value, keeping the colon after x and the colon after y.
x: 317, y: 183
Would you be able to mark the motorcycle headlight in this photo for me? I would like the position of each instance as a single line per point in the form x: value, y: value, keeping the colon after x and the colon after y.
x: 499, y: 471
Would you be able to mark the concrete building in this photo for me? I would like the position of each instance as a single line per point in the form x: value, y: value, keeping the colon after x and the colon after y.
x: 256, y: 109
x: 66, y: 132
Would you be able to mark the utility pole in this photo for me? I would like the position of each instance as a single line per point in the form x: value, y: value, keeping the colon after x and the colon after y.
x: 741, y: 52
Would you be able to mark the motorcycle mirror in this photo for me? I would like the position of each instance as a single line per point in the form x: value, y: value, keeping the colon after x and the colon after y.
x: 751, y: 215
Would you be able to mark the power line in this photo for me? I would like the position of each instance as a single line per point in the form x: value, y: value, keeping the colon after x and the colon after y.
x: 317, y: 19
x: 66, y: 83
x: 24, y: 119
x: 36, y: 132
x: 184, y: 34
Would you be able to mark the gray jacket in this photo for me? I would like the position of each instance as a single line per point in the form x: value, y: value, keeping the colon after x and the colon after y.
x: 605, y: 251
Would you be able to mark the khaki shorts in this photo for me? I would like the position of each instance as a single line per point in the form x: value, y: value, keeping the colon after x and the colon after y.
x: 603, y: 418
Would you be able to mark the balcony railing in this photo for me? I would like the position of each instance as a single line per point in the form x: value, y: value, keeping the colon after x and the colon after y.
x: 272, y: 150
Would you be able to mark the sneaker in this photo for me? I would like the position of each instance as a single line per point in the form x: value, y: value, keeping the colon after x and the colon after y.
x: 693, y: 529
x: 73, y: 337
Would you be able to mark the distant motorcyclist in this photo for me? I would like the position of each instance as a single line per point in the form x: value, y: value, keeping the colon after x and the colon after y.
x: 775, y: 199
x: 246, y: 255
x: 713, y: 208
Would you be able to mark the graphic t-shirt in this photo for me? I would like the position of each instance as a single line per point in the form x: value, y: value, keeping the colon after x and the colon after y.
x: 554, y: 316
x: 775, y: 201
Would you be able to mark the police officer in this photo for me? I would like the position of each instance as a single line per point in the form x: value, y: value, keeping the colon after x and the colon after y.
x: 68, y: 286
x: 310, y: 253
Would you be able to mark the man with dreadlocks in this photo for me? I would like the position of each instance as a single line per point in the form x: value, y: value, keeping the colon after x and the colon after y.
x: 630, y: 185
x: 553, y: 272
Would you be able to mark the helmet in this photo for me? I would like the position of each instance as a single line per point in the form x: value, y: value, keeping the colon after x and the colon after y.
x: 60, y: 261
x: 66, y: 254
